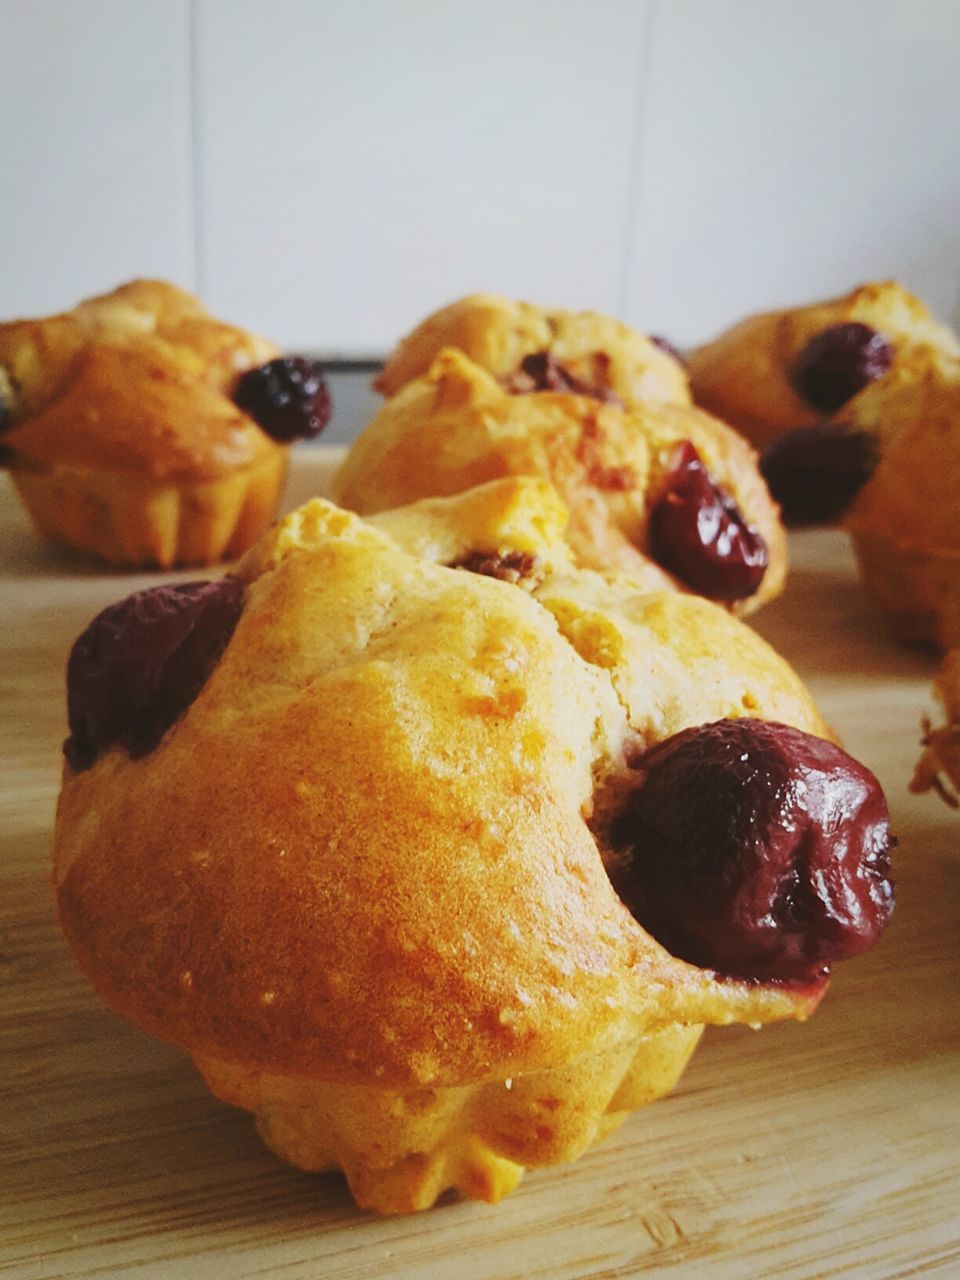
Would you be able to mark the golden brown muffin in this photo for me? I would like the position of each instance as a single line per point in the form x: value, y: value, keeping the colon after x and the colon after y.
x: 905, y: 521
x: 630, y: 478
x: 938, y: 769
x: 344, y: 827
x: 759, y: 374
x: 121, y: 434
x: 858, y: 401
x: 528, y: 348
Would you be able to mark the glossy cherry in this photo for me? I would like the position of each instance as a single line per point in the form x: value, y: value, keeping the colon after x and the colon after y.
x: 699, y: 534
x: 754, y: 849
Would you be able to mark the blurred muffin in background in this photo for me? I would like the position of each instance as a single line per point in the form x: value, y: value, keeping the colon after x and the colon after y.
x: 661, y: 492
x: 905, y: 520
x: 139, y: 429
x: 858, y: 403
x: 528, y: 348
x: 823, y: 389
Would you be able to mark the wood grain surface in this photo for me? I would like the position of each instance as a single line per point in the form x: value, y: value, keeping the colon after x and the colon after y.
x: 831, y: 1149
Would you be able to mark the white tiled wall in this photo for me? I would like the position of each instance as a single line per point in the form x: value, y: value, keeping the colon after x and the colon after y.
x: 328, y: 170
x: 790, y: 149
x: 361, y: 160
x: 95, y: 148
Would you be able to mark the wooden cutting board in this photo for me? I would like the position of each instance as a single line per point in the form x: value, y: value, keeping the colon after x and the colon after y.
x: 824, y: 1150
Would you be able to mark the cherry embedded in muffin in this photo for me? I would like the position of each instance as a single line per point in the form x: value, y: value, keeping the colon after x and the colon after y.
x: 815, y: 472
x: 287, y: 397
x: 839, y: 362
x: 754, y: 849
x: 698, y: 533
x: 141, y: 663
x: 542, y: 371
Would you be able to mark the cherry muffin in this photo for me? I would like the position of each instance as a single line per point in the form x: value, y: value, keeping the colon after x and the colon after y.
x: 139, y: 429
x: 905, y: 521
x: 530, y: 349
x: 437, y: 852
x: 663, y: 493
x: 823, y: 389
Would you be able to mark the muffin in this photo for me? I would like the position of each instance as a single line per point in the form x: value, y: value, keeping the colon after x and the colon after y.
x: 905, y: 521
x: 436, y: 852
x: 858, y: 403
x: 938, y: 769
x: 663, y: 493
x: 824, y: 389
x: 784, y: 369
x: 529, y: 349
x: 122, y: 432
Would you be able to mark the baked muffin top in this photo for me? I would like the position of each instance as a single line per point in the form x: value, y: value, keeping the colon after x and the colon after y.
x: 626, y: 476
x: 139, y: 379
x: 912, y: 496
x: 530, y: 348
x: 789, y: 368
x: 372, y: 845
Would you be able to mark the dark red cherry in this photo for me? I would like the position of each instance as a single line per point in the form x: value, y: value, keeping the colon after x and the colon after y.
x: 542, y: 371
x: 815, y: 472
x: 142, y: 661
x: 754, y: 849
x: 838, y: 363
x: 698, y: 533
x: 288, y: 397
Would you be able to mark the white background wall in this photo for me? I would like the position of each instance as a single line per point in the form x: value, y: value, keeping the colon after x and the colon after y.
x: 326, y: 171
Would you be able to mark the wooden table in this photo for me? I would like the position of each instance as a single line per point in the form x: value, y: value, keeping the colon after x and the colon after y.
x: 831, y: 1149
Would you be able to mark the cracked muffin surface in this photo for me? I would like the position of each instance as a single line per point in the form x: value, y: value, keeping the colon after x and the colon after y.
x: 618, y: 472
x: 362, y: 877
x: 527, y: 348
